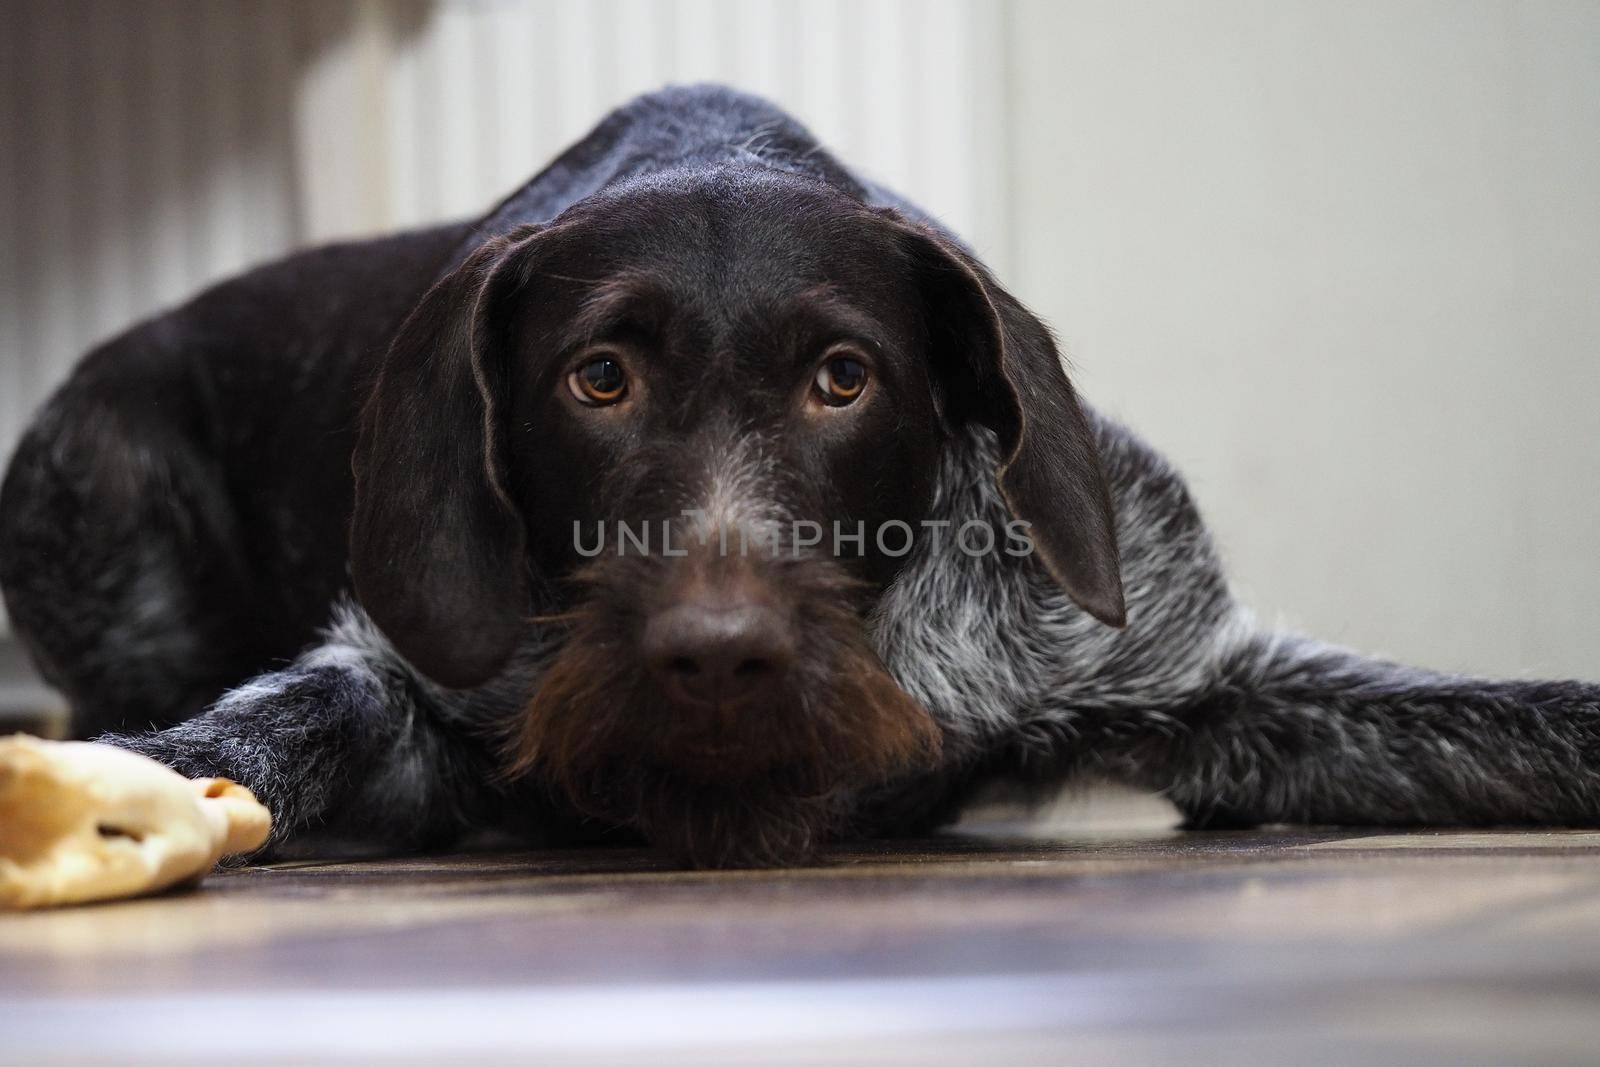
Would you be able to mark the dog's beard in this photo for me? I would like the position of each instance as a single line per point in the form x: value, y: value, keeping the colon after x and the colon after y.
x: 762, y: 787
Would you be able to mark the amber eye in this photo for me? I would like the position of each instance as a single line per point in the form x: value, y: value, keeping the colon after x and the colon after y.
x: 599, y: 382
x: 840, y: 381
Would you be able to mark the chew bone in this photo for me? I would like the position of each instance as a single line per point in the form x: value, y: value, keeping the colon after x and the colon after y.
x: 82, y: 821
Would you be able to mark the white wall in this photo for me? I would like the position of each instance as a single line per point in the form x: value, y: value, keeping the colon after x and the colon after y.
x: 1342, y: 262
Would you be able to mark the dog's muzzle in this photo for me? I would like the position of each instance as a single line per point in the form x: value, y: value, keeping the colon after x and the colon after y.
x: 727, y: 708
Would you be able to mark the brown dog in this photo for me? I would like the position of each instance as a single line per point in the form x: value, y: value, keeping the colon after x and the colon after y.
x: 697, y: 490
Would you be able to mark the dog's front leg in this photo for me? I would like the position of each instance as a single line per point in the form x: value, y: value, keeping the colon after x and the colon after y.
x: 335, y: 743
x: 1299, y: 732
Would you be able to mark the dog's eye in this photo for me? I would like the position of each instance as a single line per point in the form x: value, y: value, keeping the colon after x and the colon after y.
x: 599, y: 382
x: 841, y: 380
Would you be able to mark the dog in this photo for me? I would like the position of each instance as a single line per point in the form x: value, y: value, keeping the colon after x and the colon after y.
x: 701, y: 492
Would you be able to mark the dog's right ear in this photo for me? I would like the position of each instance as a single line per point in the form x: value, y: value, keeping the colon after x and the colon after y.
x: 436, y: 546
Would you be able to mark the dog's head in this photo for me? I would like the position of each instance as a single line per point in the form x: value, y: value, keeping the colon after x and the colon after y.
x: 692, y: 424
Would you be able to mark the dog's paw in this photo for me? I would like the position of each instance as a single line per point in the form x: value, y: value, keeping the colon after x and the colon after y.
x: 82, y: 821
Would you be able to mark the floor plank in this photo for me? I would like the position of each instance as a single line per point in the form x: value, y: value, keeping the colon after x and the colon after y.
x: 1311, y: 945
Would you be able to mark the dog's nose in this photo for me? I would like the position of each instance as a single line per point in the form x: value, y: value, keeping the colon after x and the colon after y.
x: 718, y: 654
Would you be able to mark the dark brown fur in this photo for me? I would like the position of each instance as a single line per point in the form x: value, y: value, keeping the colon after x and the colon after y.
x: 757, y: 789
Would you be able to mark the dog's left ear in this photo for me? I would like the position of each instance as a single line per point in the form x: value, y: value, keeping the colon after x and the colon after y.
x: 1001, y: 367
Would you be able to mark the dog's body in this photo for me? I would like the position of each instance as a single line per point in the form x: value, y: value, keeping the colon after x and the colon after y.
x: 176, y: 523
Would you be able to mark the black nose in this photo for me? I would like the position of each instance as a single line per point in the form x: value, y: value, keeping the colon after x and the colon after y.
x: 717, y: 654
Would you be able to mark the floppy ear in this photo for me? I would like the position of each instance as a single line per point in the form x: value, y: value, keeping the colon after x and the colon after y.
x: 436, y: 547
x: 1007, y: 374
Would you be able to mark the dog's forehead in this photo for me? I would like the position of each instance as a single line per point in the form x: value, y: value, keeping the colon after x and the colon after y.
x: 743, y: 234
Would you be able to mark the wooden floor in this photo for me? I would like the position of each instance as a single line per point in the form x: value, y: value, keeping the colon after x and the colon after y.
x: 1257, y: 946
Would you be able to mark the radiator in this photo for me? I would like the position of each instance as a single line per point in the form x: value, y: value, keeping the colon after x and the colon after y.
x: 151, y: 148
